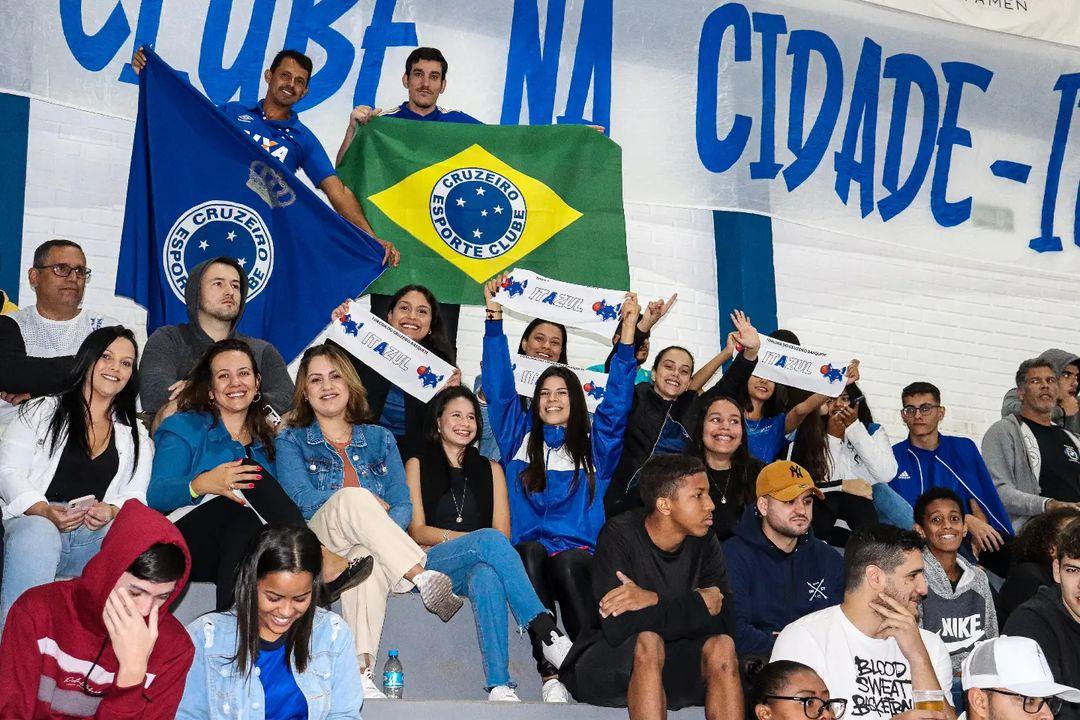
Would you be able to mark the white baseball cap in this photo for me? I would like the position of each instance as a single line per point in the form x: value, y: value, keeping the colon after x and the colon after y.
x: 1016, y: 664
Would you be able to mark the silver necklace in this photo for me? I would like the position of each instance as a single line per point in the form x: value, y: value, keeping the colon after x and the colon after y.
x: 723, y: 493
x: 461, y: 507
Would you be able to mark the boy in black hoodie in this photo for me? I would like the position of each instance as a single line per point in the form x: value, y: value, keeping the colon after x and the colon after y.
x: 1052, y: 617
x: 659, y: 579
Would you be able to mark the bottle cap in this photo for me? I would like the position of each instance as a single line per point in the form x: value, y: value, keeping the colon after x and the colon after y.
x: 392, y: 653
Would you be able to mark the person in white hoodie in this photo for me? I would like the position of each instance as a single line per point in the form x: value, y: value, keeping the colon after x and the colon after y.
x: 68, y: 462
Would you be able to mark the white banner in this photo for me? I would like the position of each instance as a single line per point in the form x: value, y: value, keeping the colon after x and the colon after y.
x: 527, y: 371
x: 399, y: 359
x: 880, y: 125
x: 806, y: 369
x: 579, y: 306
x: 1054, y: 20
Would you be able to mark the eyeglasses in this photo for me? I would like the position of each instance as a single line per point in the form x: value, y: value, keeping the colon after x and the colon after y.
x: 910, y: 411
x: 813, y: 707
x: 1033, y: 705
x: 63, y: 270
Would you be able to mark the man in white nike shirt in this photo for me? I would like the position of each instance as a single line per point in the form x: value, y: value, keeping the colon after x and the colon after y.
x: 869, y: 649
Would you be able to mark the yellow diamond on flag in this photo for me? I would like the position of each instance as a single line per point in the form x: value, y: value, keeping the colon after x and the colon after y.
x: 475, y: 211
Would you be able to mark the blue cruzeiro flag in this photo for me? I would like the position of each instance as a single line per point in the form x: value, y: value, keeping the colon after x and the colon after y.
x: 200, y: 188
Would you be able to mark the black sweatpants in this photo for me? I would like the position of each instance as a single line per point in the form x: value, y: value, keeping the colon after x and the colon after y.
x: 857, y: 512
x: 218, y: 531
x: 565, y: 578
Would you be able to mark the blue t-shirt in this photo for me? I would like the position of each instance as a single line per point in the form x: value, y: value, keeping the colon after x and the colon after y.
x: 403, y: 112
x: 283, y: 698
x: 290, y: 141
x: 766, y: 437
x: 393, y: 412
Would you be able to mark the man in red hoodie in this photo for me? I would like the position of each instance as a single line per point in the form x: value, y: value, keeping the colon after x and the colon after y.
x: 103, y: 645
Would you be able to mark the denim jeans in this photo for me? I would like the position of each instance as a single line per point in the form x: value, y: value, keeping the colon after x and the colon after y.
x: 892, y: 508
x: 36, y: 553
x: 486, y: 568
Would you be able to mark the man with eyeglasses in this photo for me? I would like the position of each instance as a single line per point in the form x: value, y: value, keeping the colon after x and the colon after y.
x: 870, y: 648
x: 1052, y: 618
x: 1067, y: 412
x: 1035, y: 464
x: 929, y: 459
x: 1008, y: 678
x: 38, y: 342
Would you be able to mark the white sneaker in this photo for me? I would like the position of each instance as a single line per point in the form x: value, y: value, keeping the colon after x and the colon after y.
x: 554, y: 691
x: 555, y: 648
x: 367, y: 684
x: 503, y: 693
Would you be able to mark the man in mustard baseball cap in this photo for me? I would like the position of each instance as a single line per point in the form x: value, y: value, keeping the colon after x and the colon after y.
x: 778, y: 570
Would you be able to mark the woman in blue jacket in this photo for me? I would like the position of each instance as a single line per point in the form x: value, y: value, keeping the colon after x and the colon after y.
x: 347, y: 478
x: 213, y: 472
x: 274, y: 655
x: 557, y: 471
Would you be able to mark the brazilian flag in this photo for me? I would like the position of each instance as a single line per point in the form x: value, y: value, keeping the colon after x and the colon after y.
x: 465, y: 202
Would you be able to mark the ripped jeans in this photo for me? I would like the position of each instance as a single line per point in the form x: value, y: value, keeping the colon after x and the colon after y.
x: 487, y: 569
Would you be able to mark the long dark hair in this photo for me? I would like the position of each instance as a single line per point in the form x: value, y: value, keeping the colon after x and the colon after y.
x: 854, y: 392
x: 195, y: 397
x: 277, y: 548
x: 744, y: 466
x: 437, y: 405
x: 437, y: 341
x: 540, y: 321
x: 72, y: 417
x: 578, y: 443
x: 810, y: 448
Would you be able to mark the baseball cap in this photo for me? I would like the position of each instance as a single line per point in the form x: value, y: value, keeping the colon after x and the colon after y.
x: 1016, y: 664
x: 785, y: 481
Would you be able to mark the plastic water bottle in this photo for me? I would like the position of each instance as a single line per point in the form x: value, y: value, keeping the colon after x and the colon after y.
x: 393, y: 677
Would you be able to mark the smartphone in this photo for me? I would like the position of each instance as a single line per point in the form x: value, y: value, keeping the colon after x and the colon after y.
x: 81, y: 504
x: 272, y: 416
x: 854, y: 402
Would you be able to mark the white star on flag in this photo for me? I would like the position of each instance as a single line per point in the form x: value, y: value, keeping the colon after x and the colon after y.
x: 242, y: 262
x: 477, y: 234
x: 479, y: 191
x: 461, y: 202
x: 231, y: 236
x: 498, y: 209
x: 203, y: 244
x: 483, y: 213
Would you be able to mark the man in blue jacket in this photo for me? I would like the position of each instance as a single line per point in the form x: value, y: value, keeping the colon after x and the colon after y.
x: 778, y: 570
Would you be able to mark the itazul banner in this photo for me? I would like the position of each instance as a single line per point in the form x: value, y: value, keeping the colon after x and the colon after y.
x: 399, y: 359
x: 806, y: 369
x: 580, y: 306
x: 527, y: 371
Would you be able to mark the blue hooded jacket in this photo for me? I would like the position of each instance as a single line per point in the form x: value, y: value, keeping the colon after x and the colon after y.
x: 562, y: 516
x: 771, y: 588
x: 956, y: 465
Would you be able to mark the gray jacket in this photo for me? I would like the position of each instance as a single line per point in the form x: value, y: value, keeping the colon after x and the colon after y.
x: 961, y: 617
x: 172, y: 351
x: 1012, y: 455
x: 1010, y: 404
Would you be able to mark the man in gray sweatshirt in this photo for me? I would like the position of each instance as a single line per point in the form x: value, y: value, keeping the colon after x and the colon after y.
x: 215, y: 296
x: 1035, y: 464
x: 1067, y: 412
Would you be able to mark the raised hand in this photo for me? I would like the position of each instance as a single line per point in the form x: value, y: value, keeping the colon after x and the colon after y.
x: 362, y: 114
x: 491, y: 287
x: 340, y: 311
x: 746, y: 334
x: 852, y: 373
x: 132, y: 636
x: 654, y: 311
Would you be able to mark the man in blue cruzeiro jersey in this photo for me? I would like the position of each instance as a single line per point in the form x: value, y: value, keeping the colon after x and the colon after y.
x: 272, y: 123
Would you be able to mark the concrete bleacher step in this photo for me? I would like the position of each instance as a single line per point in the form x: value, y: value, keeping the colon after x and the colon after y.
x: 483, y: 710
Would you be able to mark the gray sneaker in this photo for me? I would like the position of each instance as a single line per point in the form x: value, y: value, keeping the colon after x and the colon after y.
x: 437, y: 592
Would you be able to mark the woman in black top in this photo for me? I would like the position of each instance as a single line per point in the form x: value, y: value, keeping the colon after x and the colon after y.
x: 461, y: 517
x: 720, y: 437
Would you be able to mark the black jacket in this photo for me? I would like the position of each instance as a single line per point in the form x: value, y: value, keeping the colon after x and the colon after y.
x: 1045, y: 619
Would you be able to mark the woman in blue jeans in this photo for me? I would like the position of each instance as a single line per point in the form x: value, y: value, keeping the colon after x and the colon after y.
x: 274, y: 655
x: 461, y: 515
x: 83, y: 445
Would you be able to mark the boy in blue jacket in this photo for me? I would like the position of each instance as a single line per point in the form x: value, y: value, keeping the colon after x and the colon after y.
x: 778, y: 570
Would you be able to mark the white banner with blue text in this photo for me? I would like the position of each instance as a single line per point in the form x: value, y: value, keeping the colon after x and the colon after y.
x: 800, y: 367
x: 579, y: 306
x: 399, y: 359
x: 527, y: 371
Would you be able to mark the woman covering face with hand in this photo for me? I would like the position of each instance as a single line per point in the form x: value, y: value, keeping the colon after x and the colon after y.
x: 67, y: 464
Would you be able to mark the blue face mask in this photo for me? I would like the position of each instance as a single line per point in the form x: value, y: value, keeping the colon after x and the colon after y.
x: 554, y: 436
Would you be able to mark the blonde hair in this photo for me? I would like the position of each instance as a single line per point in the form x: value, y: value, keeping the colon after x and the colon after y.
x: 357, y: 411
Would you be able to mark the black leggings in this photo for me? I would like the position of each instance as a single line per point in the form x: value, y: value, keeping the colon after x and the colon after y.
x: 565, y: 578
x: 218, y: 530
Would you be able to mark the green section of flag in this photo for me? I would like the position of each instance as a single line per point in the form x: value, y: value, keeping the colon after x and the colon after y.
x: 569, y: 177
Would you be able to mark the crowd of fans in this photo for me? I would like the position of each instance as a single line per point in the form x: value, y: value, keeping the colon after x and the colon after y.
x: 730, y: 542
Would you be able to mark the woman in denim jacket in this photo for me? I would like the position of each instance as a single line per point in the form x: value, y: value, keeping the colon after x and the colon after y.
x: 274, y: 656
x: 348, y: 481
